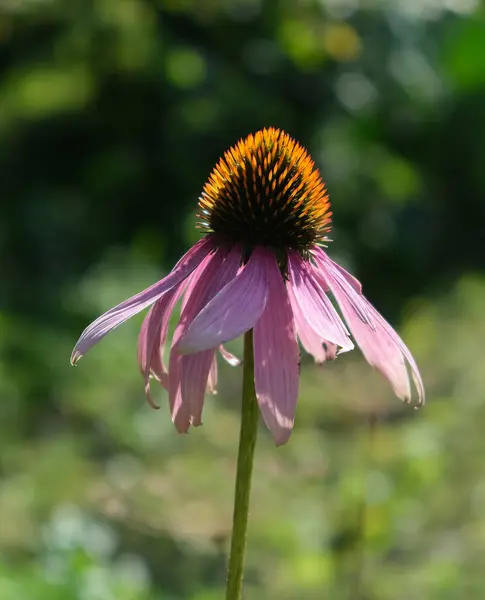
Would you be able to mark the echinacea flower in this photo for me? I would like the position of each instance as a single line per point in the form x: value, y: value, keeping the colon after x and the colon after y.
x: 261, y: 266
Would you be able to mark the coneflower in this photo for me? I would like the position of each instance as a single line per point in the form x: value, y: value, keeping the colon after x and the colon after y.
x: 259, y: 270
x: 260, y: 266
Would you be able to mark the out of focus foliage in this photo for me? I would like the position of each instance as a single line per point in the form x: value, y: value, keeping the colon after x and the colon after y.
x: 112, y: 113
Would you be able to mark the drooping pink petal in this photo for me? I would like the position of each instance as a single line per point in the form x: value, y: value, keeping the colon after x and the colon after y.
x: 186, y: 397
x: 152, y: 338
x: 309, y: 300
x: 234, y: 361
x: 321, y: 350
x: 157, y: 364
x: 158, y: 367
x: 233, y: 311
x: 192, y: 281
x: 212, y: 380
x: 130, y: 307
x: 276, y: 358
x: 195, y: 375
x: 146, y: 340
x: 380, y: 344
x: 179, y: 410
x: 142, y: 357
x: 342, y: 281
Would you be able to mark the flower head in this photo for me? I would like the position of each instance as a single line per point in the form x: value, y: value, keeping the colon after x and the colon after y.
x: 266, y: 192
x: 260, y: 266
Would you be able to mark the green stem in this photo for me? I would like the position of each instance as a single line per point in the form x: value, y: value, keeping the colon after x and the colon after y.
x: 245, y: 457
x: 358, y: 581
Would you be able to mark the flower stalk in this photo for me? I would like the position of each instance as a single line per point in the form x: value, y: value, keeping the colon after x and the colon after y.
x: 245, y: 459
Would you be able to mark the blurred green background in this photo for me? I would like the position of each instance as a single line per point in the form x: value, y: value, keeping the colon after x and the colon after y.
x: 112, y: 113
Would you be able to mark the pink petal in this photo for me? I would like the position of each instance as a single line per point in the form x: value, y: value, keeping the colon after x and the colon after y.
x: 120, y: 313
x: 157, y: 366
x: 234, y: 310
x: 192, y: 281
x: 146, y: 340
x: 309, y: 300
x: 178, y: 409
x: 342, y: 281
x: 380, y: 344
x: 212, y: 380
x: 276, y: 359
x: 186, y: 397
x: 234, y: 361
x: 321, y: 350
x: 151, y: 341
x: 195, y: 370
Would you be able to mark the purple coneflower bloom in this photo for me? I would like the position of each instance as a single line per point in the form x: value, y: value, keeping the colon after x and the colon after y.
x: 260, y: 266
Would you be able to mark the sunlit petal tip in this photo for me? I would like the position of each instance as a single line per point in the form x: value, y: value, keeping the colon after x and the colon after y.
x: 420, y: 401
x: 120, y: 313
x: 196, y: 371
x: 181, y: 422
x: 282, y: 435
x: 150, y: 399
x: 350, y: 346
x: 75, y: 357
x: 230, y: 358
